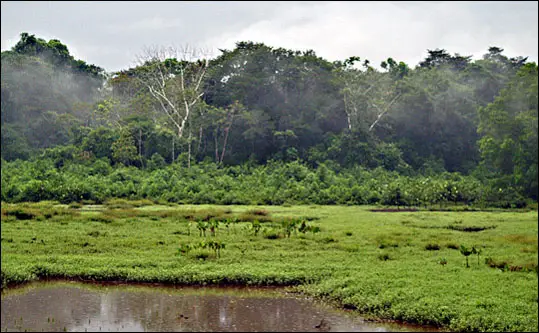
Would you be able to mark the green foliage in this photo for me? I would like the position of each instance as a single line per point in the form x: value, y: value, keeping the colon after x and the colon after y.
x: 42, y: 87
x: 202, y: 226
x: 509, y: 128
x: 478, y: 252
x: 14, y: 145
x: 99, y: 142
x: 465, y: 252
x: 265, y: 110
x: 123, y: 149
x: 156, y: 162
x: 255, y: 226
x: 272, y: 234
x: 67, y: 176
x: 443, y: 261
x: 432, y: 247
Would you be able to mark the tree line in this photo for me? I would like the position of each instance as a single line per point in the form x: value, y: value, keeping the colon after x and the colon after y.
x: 256, y: 105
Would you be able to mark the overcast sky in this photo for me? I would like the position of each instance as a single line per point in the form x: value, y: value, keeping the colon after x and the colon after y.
x: 110, y: 34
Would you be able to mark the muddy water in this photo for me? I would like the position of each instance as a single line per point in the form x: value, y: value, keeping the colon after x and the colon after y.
x: 77, y: 307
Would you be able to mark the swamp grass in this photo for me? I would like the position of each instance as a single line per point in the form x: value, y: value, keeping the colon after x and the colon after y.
x: 403, y: 266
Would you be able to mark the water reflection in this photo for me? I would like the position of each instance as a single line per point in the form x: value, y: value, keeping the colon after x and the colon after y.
x: 58, y: 306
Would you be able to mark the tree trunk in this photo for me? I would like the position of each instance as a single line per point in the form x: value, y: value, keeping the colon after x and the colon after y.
x: 172, y: 148
x: 227, y: 129
x: 216, y: 146
x: 189, y: 151
x: 224, y: 145
x: 347, y: 113
x: 140, y: 146
x: 199, y: 139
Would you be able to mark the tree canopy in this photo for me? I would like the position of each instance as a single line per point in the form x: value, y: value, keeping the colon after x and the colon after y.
x: 257, y: 103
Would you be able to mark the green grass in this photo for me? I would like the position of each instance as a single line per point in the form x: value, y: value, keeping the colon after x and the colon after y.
x: 384, y: 265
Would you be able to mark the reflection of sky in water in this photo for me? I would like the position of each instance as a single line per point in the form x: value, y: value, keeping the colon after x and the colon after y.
x: 116, y: 309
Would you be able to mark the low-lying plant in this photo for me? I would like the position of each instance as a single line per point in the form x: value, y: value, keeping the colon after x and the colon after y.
x: 470, y: 228
x: 328, y: 239
x: 465, y: 252
x: 255, y: 227
x: 258, y: 212
x: 75, y: 205
x: 250, y: 217
x: 272, y: 234
x: 452, y: 246
x: 432, y: 247
x: 201, y: 247
x: 386, y: 245
x: 123, y: 203
x: 442, y: 261
x: 202, y: 226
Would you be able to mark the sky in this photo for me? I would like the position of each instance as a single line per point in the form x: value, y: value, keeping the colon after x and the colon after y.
x: 110, y: 34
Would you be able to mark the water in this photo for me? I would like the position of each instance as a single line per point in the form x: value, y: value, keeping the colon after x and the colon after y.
x: 77, y: 307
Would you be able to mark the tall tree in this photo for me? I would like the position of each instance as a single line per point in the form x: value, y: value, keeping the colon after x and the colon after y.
x: 174, y: 78
x: 368, y: 94
x: 435, y: 118
x: 123, y: 149
x: 509, y: 131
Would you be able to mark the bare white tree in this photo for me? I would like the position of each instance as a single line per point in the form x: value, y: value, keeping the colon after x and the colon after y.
x: 174, y: 77
x: 368, y: 96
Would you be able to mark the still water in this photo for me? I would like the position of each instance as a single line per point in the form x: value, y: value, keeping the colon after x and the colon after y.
x: 78, y: 307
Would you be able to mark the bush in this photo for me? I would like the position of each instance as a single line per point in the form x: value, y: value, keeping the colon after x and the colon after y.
x: 432, y: 247
x: 276, y: 183
x: 272, y: 234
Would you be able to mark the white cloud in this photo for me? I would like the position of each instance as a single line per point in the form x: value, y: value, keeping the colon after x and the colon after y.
x: 152, y: 24
x: 373, y: 31
x: 8, y: 43
x: 109, y: 34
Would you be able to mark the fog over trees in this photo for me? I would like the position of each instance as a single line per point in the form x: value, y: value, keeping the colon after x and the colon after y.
x: 258, y: 105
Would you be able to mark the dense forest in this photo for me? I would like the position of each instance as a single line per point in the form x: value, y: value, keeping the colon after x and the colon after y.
x: 265, y: 125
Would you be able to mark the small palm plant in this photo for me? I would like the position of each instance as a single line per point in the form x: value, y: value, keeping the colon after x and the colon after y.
x: 443, y: 261
x: 214, y: 225
x: 184, y: 249
x: 478, y: 252
x: 216, y: 246
x: 303, y: 228
x: 289, y: 226
x: 202, y: 226
x: 255, y: 225
x: 227, y: 224
x: 465, y: 252
x: 315, y: 229
x: 189, y: 228
x: 234, y: 220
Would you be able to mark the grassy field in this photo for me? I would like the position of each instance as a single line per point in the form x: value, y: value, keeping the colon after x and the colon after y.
x: 406, y: 266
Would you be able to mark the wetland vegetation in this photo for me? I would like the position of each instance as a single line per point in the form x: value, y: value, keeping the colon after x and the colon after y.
x: 406, y: 266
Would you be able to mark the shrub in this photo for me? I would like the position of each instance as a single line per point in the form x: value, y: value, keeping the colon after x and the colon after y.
x: 328, y: 239
x: 432, y: 247
x: 258, y: 212
x: 201, y: 254
x: 75, y: 205
x: 272, y: 234
x: 20, y: 214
